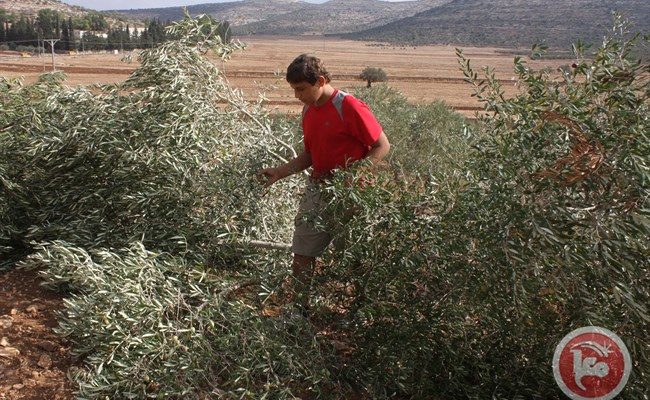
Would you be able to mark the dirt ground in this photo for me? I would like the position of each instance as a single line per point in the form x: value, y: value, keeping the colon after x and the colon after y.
x: 423, y: 74
x: 33, y: 359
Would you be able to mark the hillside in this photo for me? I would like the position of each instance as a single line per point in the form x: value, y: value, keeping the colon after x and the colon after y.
x: 503, y: 23
x: 510, y: 23
x: 296, y: 16
x: 31, y: 7
x: 338, y: 16
x: 236, y: 12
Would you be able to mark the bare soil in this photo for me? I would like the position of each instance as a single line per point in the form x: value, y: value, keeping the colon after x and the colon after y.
x: 33, y: 359
x: 422, y: 74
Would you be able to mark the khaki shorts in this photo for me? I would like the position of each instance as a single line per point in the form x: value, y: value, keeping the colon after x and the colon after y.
x: 307, y: 239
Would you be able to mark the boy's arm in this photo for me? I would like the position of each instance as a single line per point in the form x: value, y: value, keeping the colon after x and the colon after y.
x: 300, y: 163
x: 362, y: 124
x: 377, y: 152
x: 379, y: 149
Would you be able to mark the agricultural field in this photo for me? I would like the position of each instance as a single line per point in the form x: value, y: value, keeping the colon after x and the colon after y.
x: 422, y: 74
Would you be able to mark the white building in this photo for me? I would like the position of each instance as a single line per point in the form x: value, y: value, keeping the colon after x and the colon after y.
x: 78, y: 34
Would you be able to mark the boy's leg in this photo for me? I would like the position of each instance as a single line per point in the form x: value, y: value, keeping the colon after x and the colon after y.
x: 302, y: 269
x: 308, y: 242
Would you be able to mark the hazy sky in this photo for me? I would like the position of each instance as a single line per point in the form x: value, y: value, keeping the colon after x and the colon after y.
x: 127, y: 4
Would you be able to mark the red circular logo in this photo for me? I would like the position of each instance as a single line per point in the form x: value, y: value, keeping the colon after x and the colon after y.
x: 591, y: 363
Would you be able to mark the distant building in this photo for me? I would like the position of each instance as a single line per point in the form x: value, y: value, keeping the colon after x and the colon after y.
x: 138, y: 30
x: 78, y: 34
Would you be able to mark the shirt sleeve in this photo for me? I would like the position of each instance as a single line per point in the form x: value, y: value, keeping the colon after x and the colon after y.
x: 360, y: 121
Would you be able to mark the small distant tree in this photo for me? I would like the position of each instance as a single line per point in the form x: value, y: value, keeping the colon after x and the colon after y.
x: 372, y: 74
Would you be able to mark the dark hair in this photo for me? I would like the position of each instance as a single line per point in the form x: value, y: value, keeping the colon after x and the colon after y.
x: 307, y: 68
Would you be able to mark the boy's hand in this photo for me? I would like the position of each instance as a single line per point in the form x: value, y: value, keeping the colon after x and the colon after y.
x: 269, y: 176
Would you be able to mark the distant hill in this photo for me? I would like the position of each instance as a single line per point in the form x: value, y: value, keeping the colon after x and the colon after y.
x: 338, y: 16
x: 503, y: 23
x: 236, y: 12
x: 511, y: 23
x: 296, y: 16
x: 31, y: 7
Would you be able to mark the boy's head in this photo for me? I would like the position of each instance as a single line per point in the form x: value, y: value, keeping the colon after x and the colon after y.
x: 308, y: 78
x: 307, y: 68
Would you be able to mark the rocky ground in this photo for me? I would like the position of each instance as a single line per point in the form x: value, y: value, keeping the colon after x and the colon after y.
x: 33, y: 359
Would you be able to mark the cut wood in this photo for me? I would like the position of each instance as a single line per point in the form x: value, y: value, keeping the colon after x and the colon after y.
x: 270, y: 245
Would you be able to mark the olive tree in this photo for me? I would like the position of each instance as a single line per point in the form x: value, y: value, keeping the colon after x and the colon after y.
x: 373, y: 74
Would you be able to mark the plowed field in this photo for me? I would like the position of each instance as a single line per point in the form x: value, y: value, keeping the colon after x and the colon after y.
x: 423, y: 73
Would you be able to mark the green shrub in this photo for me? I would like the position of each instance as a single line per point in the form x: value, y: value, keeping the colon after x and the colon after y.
x: 167, y: 157
x: 464, y: 291
x: 166, y: 160
x: 26, y: 49
x: 425, y: 138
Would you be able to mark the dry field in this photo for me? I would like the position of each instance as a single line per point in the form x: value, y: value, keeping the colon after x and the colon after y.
x: 423, y: 74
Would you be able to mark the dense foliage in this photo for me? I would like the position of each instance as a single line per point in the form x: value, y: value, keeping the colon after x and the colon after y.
x: 165, y: 157
x: 455, y: 270
x: 20, y: 29
x: 463, y: 287
x: 425, y: 137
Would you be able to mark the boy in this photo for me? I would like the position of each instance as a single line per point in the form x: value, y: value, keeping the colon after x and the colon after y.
x: 338, y: 129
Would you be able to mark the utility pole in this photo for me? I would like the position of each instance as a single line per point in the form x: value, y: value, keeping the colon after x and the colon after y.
x: 41, y: 51
x: 41, y: 45
x: 52, y: 42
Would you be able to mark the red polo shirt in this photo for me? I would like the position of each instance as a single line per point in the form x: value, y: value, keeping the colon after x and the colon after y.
x: 334, y: 140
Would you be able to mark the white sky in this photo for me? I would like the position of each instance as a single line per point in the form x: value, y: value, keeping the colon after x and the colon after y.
x: 133, y: 4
